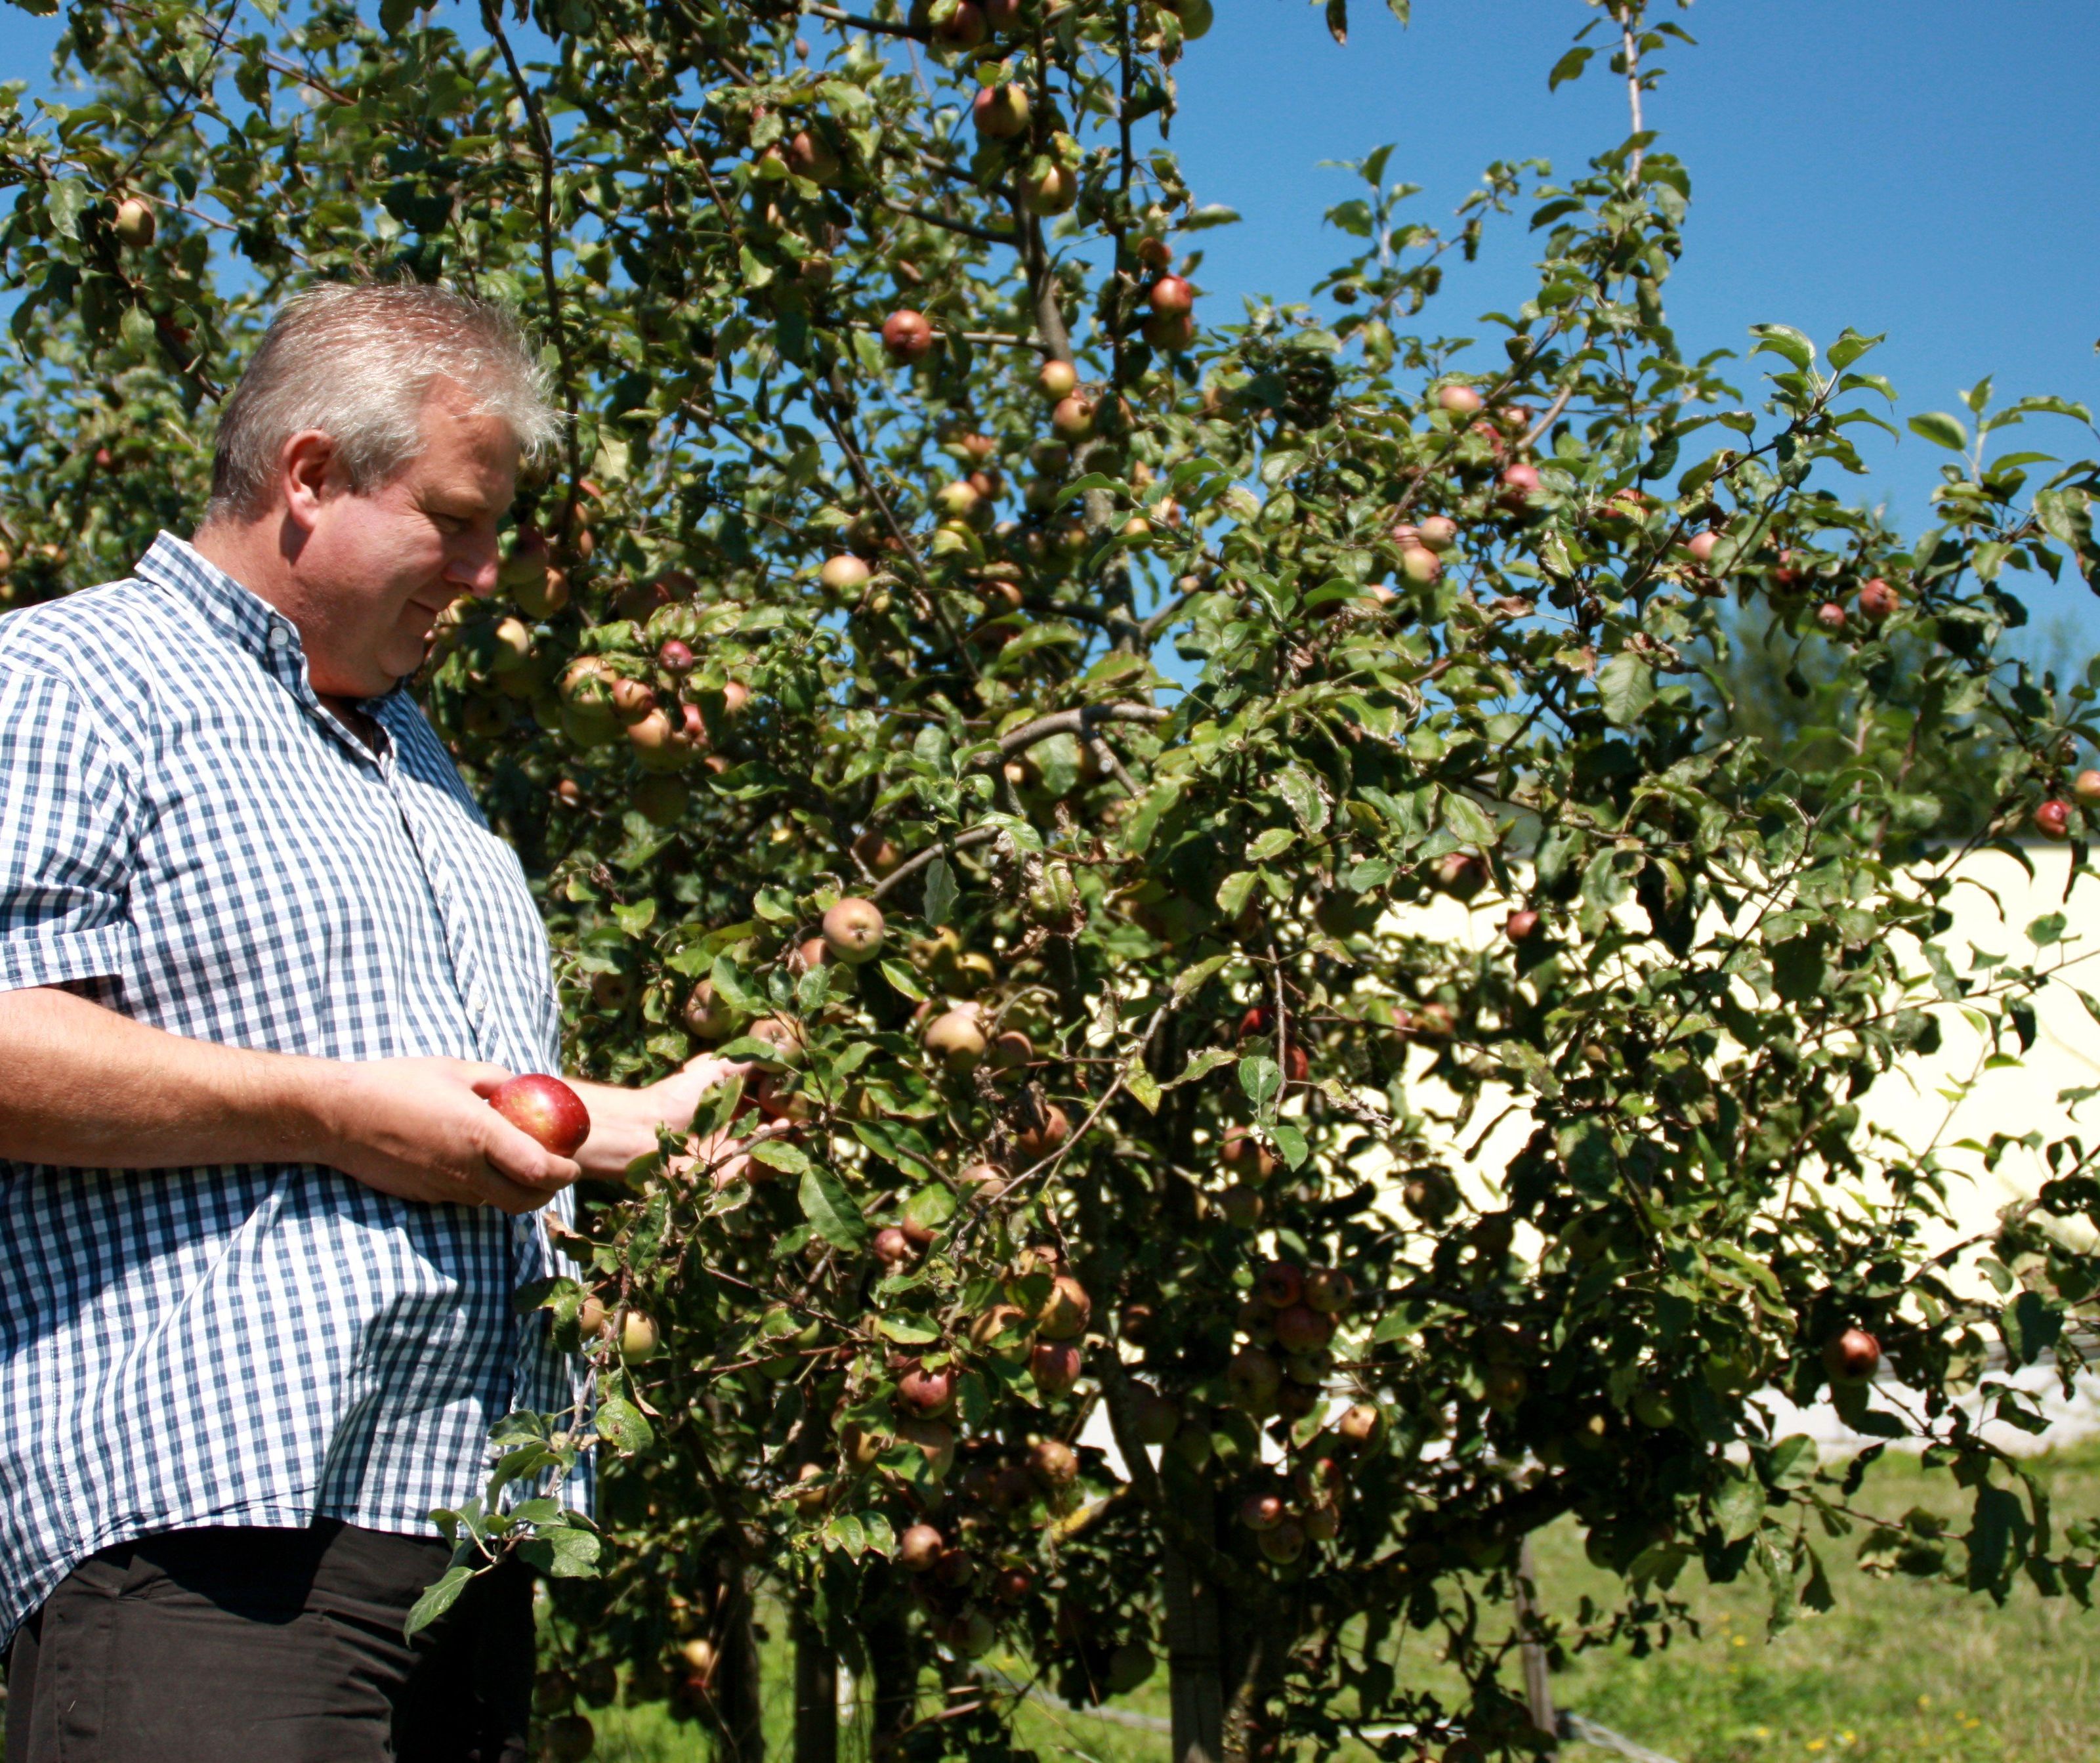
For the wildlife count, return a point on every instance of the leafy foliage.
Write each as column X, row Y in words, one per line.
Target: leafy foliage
column 1168, row 720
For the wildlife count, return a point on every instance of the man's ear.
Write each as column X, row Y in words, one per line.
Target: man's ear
column 308, row 473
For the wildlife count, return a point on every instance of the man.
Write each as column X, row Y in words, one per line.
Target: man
column 261, row 963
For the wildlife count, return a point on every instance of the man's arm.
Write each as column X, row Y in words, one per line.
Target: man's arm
column 624, row 1122
column 89, row 1089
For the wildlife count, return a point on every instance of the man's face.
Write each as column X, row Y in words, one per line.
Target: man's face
column 376, row 568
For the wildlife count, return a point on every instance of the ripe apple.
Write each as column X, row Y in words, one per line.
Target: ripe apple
column 2086, row 788
column 1438, row 534
column 1285, row 1543
column 1420, row 564
column 638, row 1337
column 1520, row 484
column 1171, row 333
column 1063, row 1313
column 1055, row 1366
column 1004, row 1332
column 1262, row 1512
column 908, row 336
column 963, row 28
column 1852, row 1357
column 1877, row 600
column 1459, row 873
column 1001, row 112
column 982, row 1181
column 1196, row 16
column 891, row 1246
column 1330, row 1291
column 935, row 1443
column 543, row 1108
column 1359, row 1424
column 1702, row 546
column 592, row 1315
column 709, row 1017
column 1073, row 419
column 676, row 657
column 1011, row 1051
column 1051, row 191
column 852, row 931
column 1279, row 1285
column 1171, row 297
column 632, row 701
column 845, row 573
column 956, row 1038
column 1322, row 1521
column 1521, row 926
column 1299, row 1329
column 1057, row 381
column 783, row 1037
column 1039, row 1139
column 1155, row 1419
column 542, row 596
column 134, row 224
column 919, row 1548
column 925, row 1393
column 1830, row 616
column 1254, row 1376
column 810, row 156
column 1247, row 1157
column 2053, row 818
column 1460, row 401
column 1053, row 1463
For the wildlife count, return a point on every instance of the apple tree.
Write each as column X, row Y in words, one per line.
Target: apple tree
column 1262, row 931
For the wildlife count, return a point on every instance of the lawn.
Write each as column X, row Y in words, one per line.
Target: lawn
column 1897, row 1671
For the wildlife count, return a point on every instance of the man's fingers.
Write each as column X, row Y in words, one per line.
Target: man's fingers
column 484, row 1079
column 494, row 1189
column 519, row 1157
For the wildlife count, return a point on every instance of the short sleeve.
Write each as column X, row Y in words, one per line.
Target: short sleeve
column 68, row 815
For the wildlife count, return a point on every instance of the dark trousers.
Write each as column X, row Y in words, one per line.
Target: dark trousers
column 270, row 1646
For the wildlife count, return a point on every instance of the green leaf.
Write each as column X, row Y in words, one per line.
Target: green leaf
column 1626, row 685
column 908, row 1329
column 1568, row 67
column 1201, row 1066
column 1261, row 1077
column 65, row 202
column 1941, row 430
column 829, row 1209
column 1303, row 797
column 1739, row 1507
column 1234, row 890
column 1784, row 340
column 621, row 1426
column 436, row 1600
column 1141, row 1085
column 564, row 1552
column 777, row 1154
column 1849, row 347
column 1463, row 819
column 903, row 980
column 940, row 891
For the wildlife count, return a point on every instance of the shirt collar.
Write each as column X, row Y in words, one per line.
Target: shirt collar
column 246, row 619
column 243, row 618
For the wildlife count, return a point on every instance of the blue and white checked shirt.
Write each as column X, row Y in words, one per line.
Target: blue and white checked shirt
column 186, row 835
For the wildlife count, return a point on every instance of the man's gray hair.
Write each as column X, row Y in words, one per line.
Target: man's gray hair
column 357, row 362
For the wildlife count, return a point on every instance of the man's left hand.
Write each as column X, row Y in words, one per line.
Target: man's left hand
column 624, row 1122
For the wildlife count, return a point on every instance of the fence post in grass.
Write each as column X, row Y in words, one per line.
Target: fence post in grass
column 1195, row 1664
column 1538, row 1691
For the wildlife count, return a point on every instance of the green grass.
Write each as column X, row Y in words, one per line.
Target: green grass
column 1899, row 1670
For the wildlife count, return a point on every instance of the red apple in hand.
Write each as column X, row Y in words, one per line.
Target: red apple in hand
column 545, row 1108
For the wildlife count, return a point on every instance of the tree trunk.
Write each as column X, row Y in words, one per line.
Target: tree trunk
column 1194, row 1659
column 894, row 1671
column 816, row 1693
column 1538, row 1690
column 742, row 1733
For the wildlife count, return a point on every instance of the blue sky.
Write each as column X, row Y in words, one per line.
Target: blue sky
column 1920, row 167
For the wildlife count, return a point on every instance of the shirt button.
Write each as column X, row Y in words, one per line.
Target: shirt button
column 280, row 637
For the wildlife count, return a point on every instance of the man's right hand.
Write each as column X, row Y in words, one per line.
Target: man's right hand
column 422, row 1129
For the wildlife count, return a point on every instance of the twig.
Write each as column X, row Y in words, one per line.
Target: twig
column 977, row 835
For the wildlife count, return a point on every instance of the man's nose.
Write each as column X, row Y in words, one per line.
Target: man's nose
column 473, row 568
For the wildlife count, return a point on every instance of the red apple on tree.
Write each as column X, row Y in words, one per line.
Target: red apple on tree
column 852, row 931
column 543, row 1108
column 2053, row 818
column 1001, row 112
column 1852, row 1357
column 908, row 336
